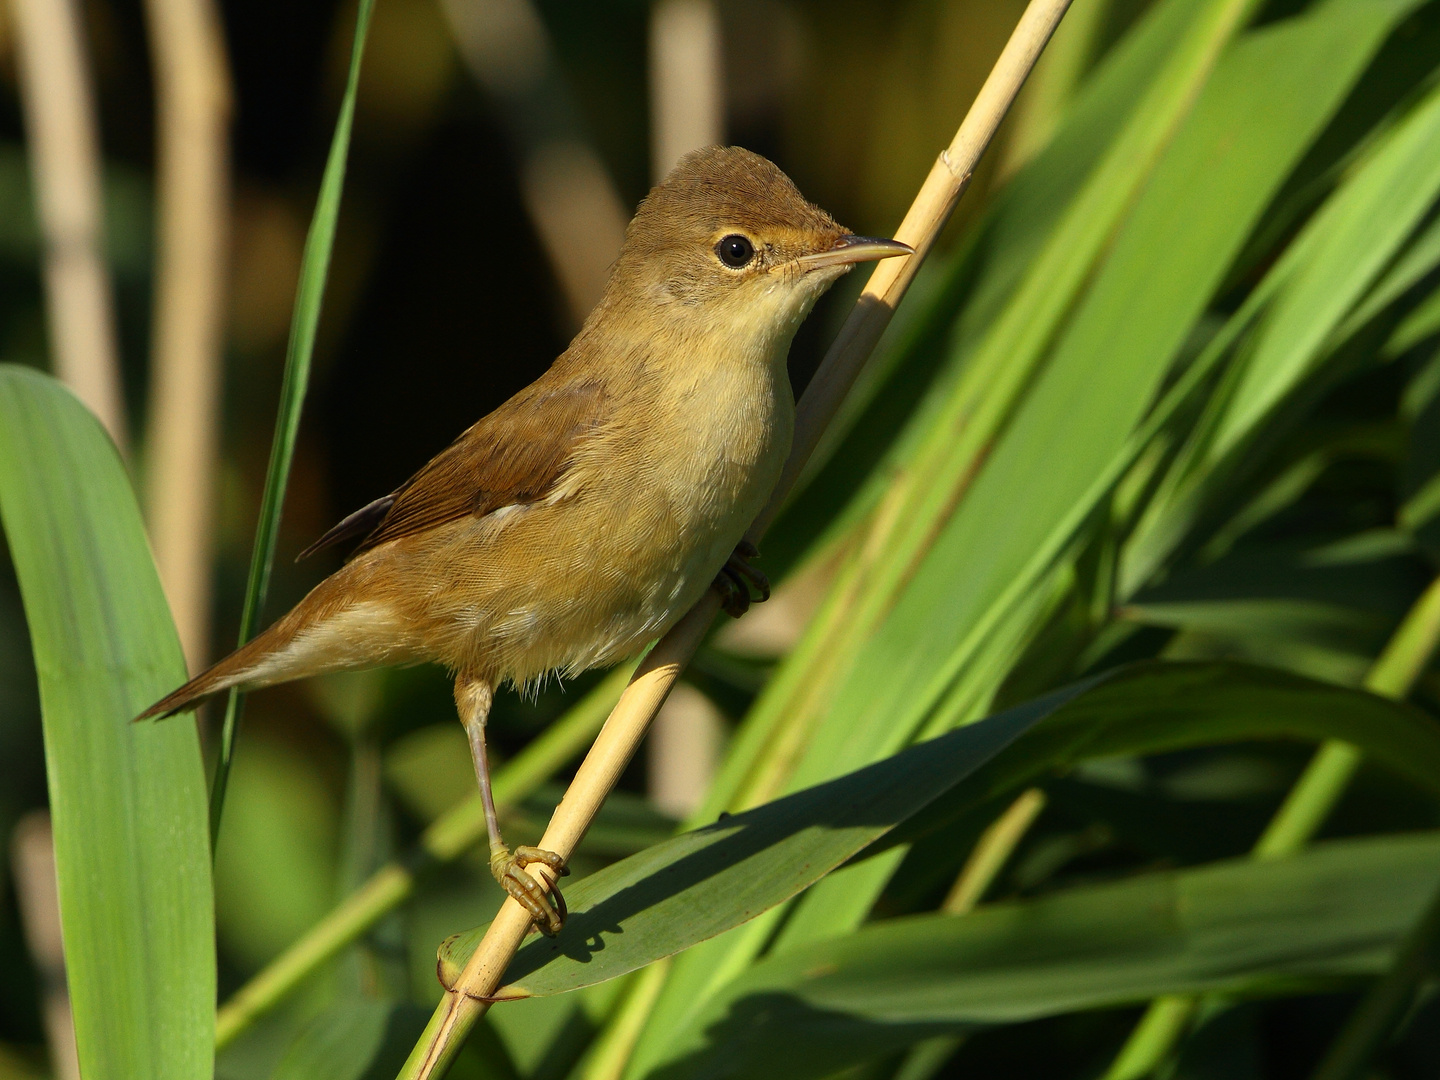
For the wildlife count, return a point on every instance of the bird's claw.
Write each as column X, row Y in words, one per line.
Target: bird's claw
column 736, row 579
column 545, row 905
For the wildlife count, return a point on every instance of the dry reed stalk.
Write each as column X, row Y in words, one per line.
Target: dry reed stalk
column 193, row 100
column 618, row 740
column 32, row 853
column 687, row 111
column 565, row 186
column 687, row 81
column 64, row 151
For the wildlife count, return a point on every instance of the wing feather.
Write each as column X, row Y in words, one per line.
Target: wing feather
column 516, row 454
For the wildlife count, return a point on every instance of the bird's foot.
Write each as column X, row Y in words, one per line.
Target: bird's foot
column 736, row 580
column 546, row 906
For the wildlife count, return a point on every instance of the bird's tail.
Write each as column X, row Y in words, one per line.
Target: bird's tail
column 240, row 668
column 327, row 631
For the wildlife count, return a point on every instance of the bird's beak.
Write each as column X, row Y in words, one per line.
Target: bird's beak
column 854, row 249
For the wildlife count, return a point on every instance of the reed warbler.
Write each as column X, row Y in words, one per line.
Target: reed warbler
column 582, row 518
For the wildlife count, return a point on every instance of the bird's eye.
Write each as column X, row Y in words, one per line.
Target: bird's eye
column 735, row 251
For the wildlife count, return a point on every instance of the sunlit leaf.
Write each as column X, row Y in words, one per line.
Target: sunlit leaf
column 1240, row 926
column 127, row 800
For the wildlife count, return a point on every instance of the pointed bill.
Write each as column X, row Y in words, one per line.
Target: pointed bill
column 854, row 249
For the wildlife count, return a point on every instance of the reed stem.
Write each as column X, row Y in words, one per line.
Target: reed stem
column 63, row 139
column 193, row 105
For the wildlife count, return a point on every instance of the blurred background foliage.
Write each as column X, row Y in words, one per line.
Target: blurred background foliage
column 441, row 303
column 1303, row 552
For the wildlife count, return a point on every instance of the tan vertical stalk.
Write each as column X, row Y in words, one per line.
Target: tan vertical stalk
column 623, row 731
column 192, row 85
column 564, row 184
column 32, row 856
column 64, row 150
column 687, row 82
column 687, row 111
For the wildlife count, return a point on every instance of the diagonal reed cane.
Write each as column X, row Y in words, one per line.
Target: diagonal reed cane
column 618, row 740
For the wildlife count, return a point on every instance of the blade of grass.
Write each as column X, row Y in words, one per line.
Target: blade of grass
column 314, row 268
column 668, row 897
column 929, row 344
column 127, row 800
column 703, row 882
column 1237, row 926
column 1331, row 265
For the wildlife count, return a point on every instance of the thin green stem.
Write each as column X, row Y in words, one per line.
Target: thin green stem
column 1398, row 668
column 1388, row 1000
column 420, row 1063
column 611, row 1051
column 1310, row 801
column 314, row 268
column 1164, row 1024
column 447, row 838
column 1299, row 818
column 989, row 856
column 992, row 851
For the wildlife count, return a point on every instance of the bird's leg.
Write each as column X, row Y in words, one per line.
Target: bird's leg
column 737, row 577
column 547, row 907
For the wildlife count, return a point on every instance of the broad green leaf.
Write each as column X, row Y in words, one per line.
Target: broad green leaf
column 975, row 283
column 1417, row 261
column 1241, row 926
column 1158, row 707
column 127, row 800
column 1268, row 98
column 701, row 883
column 1340, row 602
column 704, row 882
column 1422, row 323
column 1325, row 285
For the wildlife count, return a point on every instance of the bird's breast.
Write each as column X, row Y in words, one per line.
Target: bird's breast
column 727, row 433
column 677, row 484
column 649, row 510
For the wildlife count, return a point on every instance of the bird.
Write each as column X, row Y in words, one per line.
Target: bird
column 582, row 518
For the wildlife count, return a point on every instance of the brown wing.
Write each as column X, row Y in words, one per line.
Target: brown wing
column 516, row 454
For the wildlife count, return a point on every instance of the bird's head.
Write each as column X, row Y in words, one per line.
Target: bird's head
column 726, row 242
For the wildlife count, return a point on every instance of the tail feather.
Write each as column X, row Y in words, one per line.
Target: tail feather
column 218, row 678
column 327, row 631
